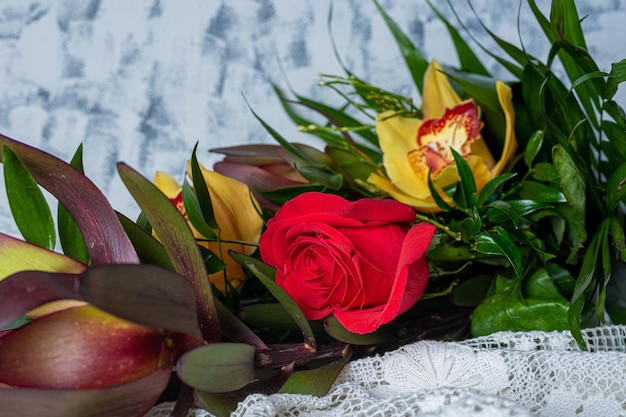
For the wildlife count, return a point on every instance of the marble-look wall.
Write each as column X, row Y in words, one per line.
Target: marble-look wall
column 142, row 81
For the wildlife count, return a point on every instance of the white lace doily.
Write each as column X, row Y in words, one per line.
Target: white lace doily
column 504, row 374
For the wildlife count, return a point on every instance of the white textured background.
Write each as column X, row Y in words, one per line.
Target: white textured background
column 142, row 81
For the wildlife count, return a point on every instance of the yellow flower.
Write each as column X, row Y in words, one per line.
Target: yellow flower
column 235, row 214
column 412, row 146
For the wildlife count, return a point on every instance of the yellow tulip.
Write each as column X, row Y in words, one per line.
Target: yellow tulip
column 411, row 147
column 235, row 212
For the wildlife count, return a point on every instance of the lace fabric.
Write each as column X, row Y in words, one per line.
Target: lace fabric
column 504, row 374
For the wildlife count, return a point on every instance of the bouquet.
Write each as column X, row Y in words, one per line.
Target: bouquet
column 492, row 205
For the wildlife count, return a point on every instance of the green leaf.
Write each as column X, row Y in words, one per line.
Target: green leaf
column 506, row 310
column 328, row 179
column 616, row 294
column 616, row 187
column 195, row 214
column 217, row 367
column 28, row 205
column 105, row 238
column 202, row 192
column 223, row 404
column 266, row 274
column 545, row 171
column 589, row 274
column 492, row 186
column 70, row 237
column 616, row 77
column 177, row 239
column 414, row 60
column 466, row 198
column 472, row 291
column 499, row 242
column 533, row 147
column 571, row 180
column 338, row 332
column 441, row 203
column 541, row 193
column 317, row 381
column 619, row 239
column 144, row 294
column 150, row 250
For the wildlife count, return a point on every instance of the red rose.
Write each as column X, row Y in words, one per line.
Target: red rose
column 360, row 261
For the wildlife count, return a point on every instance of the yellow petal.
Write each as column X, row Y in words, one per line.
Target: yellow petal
column 167, row 184
column 426, row 205
column 397, row 137
column 236, row 214
column 510, row 143
column 438, row 92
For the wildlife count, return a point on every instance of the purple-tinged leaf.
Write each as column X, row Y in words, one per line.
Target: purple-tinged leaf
column 177, row 239
column 23, row 291
column 144, row 294
column 18, row 255
column 257, row 154
column 234, row 329
column 133, row 399
column 223, row 404
column 150, row 250
column 337, row 331
column 217, row 367
column 105, row 238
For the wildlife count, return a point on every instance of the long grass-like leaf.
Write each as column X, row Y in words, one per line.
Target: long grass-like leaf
column 413, row 58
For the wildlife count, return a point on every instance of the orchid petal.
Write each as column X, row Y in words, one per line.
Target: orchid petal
column 438, row 92
column 505, row 95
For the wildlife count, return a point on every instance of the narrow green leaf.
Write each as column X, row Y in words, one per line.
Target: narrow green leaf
column 467, row 185
column 177, row 239
column 70, row 237
column 533, row 147
column 619, row 238
column 492, row 187
column 150, row 250
column 217, row 367
column 144, row 294
column 414, row 60
column 28, row 205
column 542, row 193
column 445, row 207
column 266, row 275
column 105, row 238
column 317, row 381
column 202, row 192
column 499, row 242
column 195, row 214
column 328, row 179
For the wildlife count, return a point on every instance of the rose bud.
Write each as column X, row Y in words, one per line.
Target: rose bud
column 362, row 261
column 80, row 348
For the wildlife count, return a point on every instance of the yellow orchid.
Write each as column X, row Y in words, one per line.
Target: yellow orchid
column 411, row 147
column 235, row 213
